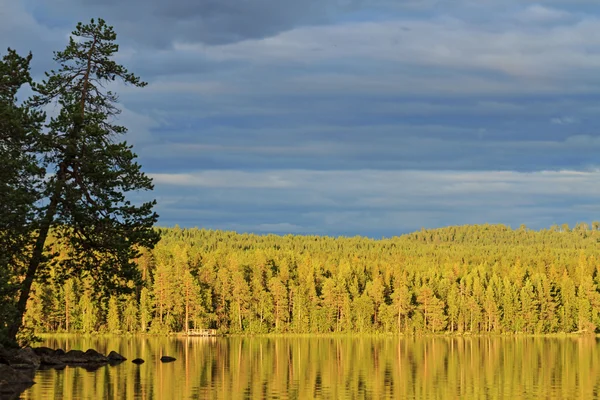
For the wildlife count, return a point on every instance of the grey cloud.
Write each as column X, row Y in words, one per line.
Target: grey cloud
column 160, row 23
column 392, row 147
column 511, row 50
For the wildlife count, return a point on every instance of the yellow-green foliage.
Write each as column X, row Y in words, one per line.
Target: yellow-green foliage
column 481, row 278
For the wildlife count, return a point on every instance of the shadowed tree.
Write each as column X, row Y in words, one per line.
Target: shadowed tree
column 90, row 170
column 113, row 320
column 20, row 176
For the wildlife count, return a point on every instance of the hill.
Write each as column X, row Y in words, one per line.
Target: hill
column 477, row 278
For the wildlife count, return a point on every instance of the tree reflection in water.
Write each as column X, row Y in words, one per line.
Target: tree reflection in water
column 330, row 367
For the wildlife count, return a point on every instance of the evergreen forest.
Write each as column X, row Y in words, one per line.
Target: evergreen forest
column 465, row 280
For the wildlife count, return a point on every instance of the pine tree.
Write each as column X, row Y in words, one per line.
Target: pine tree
column 88, row 313
column 146, row 308
column 130, row 315
column 113, row 320
column 86, row 205
column 280, row 302
column 19, row 179
column 364, row 309
column 403, row 302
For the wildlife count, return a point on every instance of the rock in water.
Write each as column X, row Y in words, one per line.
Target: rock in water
column 113, row 356
column 24, row 358
column 79, row 357
column 44, row 351
column 74, row 357
column 94, row 357
column 138, row 361
column 167, row 359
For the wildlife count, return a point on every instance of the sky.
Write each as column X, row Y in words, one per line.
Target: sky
column 350, row 117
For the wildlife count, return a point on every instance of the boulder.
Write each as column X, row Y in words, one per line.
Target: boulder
column 166, row 359
column 113, row 356
column 94, row 357
column 138, row 361
column 44, row 351
column 24, row 358
column 74, row 357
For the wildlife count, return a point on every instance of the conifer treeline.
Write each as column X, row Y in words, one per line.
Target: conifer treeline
column 477, row 279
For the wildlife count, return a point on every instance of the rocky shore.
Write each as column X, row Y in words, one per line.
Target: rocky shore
column 18, row 366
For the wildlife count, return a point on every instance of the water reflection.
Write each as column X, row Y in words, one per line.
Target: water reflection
column 330, row 368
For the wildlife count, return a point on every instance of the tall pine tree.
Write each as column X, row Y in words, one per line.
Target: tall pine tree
column 19, row 179
column 86, row 207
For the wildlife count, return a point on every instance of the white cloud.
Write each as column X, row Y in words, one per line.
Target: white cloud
column 395, row 185
column 223, row 179
column 563, row 120
column 356, row 202
column 539, row 13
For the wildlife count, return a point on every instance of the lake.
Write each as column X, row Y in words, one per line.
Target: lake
column 330, row 368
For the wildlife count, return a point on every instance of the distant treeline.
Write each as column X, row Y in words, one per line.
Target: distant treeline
column 476, row 279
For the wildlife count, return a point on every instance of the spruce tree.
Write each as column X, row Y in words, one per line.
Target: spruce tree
column 92, row 171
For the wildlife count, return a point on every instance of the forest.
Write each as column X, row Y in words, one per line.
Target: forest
column 463, row 279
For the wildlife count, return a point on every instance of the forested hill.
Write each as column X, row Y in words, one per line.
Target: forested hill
column 479, row 278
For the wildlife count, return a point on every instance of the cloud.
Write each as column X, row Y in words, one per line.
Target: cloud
column 366, row 183
column 350, row 202
column 351, row 116
column 157, row 24
column 227, row 179
column 513, row 51
column 563, row 120
column 394, row 146
column 584, row 141
column 539, row 13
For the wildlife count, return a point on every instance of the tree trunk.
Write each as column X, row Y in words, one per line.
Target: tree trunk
column 36, row 257
column 187, row 309
column 67, row 311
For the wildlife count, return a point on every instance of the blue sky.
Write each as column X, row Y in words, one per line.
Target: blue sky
column 351, row 117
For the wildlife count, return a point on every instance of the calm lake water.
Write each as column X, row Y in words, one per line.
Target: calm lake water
column 330, row 368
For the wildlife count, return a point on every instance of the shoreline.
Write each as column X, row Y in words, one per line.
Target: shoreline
column 327, row 335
